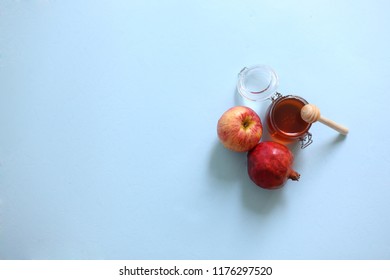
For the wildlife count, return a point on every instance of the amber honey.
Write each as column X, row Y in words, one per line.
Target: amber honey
column 284, row 119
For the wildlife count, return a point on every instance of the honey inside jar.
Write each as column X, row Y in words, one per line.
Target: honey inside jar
column 284, row 118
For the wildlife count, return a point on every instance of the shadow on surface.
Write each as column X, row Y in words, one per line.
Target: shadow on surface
column 260, row 200
column 327, row 148
column 339, row 138
column 227, row 166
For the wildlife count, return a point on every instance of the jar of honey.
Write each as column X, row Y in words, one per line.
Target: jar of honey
column 283, row 117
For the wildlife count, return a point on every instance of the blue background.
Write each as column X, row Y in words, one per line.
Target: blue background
column 108, row 146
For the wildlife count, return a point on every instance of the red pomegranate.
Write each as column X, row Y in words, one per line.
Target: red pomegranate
column 269, row 165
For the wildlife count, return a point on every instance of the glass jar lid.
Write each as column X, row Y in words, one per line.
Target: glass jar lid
column 257, row 83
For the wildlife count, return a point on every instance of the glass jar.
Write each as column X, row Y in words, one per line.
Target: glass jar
column 283, row 116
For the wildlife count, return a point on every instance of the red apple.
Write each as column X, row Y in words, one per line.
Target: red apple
column 239, row 129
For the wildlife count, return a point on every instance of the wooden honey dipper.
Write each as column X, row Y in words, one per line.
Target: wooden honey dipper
column 311, row 113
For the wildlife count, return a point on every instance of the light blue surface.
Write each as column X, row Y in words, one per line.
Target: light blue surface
column 108, row 146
